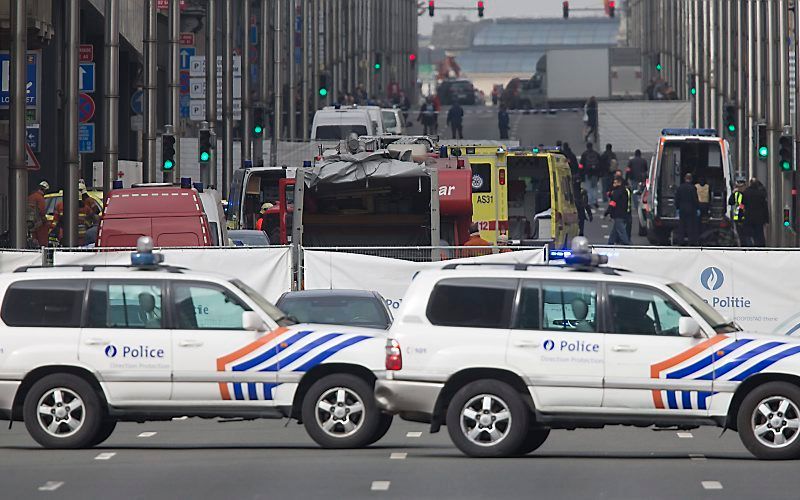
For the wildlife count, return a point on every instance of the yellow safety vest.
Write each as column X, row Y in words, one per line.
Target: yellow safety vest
column 630, row 200
column 738, row 208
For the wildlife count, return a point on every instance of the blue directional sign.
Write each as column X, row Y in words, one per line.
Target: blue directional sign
column 137, row 102
column 184, row 105
column 5, row 79
column 86, row 78
column 32, row 136
column 85, row 138
column 186, row 54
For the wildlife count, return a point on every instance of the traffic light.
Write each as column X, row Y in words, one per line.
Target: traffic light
column 167, row 152
column 692, row 85
column 205, row 146
column 730, row 119
column 659, row 67
column 259, row 122
column 787, row 217
column 412, row 59
column 763, row 148
column 565, row 8
column 378, row 61
column 785, row 157
column 323, row 85
column 430, row 8
column 480, row 8
column 611, row 8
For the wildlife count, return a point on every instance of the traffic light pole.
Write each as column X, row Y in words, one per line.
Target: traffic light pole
column 111, row 95
column 71, row 125
column 174, row 20
column 18, row 80
column 227, row 97
column 306, row 68
column 247, row 105
column 211, row 85
column 150, row 83
column 277, row 87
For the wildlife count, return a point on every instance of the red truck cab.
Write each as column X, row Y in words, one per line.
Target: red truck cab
column 172, row 216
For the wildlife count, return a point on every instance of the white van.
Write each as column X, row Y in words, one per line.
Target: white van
column 334, row 123
column 392, row 121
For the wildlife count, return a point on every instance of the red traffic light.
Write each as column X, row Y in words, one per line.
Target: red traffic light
column 431, row 8
column 565, row 7
column 480, row 8
column 412, row 57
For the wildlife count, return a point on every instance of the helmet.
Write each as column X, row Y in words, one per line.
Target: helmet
column 44, row 185
column 266, row 206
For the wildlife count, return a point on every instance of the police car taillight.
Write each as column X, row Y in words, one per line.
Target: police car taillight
column 394, row 356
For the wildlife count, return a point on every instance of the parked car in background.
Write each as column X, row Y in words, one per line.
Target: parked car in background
column 456, row 90
column 248, row 238
column 337, row 307
column 393, row 121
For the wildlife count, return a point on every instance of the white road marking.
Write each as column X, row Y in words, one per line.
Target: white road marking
column 180, row 418
column 51, row 486
column 604, row 226
column 685, row 435
column 380, row 485
column 413, row 434
column 147, row 434
column 398, row 456
column 697, row 457
column 105, row 456
column 712, row 485
column 606, row 236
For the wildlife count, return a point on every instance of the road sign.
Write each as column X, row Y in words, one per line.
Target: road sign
column 184, row 105
column 197, row 88
column 32, row 137
column 187, row 38
column 86, row 53
column 186, row 54
column 137, row 123
column 164, row 5
column 197, row 65
column 31, row 77
column 31, row 162
column 137, row 102
column 85, row 107
column 184, row 82
column 86, row 138
column 197, row 110
column 86, row 76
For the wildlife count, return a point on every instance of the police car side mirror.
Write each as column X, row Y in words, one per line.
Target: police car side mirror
column 252, row 321
column 688, row 327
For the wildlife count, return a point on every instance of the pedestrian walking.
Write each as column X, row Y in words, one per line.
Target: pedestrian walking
column 427, row 117
column 756, row 212
column 572, row 160
column 617, row 210
column 455, row 120
column 589, row 165
column 688, row 212
column 590, row 119
column 736, row 201
column 582, row 204
column 503, row 121
column 36, row 215
column 608, row 164
column 636, row 171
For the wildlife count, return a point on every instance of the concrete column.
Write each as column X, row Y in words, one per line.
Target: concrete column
column 72, row 160
column 227, row 96
column 211, row 83
column 174, row 118
column 111, row 95
column 18, row 173
column 247, row 104
column 150, row 88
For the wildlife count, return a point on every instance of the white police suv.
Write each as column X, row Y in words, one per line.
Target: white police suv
column 82, row 348
column 502, row 354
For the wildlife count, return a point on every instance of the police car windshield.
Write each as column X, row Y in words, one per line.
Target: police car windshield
column 709, row 314
column 273, row 312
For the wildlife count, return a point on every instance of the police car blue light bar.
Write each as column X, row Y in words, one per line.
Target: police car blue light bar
column 700, row 132
column 144, row 255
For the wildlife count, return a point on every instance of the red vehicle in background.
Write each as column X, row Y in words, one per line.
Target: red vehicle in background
column 172, row 216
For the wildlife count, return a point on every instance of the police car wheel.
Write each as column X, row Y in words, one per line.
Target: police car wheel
column 63, row 411
column 487, row 418
column 535, row 438
column 383, row 427
column 769, row 421
column 339, row 412
column 106, row 429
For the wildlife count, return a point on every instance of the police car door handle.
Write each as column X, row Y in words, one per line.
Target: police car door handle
column 97, row 342
column 190, row 343
column 623, row 348
column 526, row 343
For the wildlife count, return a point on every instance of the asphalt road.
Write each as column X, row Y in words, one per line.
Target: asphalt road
column 263, row 459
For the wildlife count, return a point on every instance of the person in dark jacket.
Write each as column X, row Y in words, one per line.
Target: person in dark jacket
column 582, row 204
column 589, row 166
column 590, row 112
column 636, row 171
column 455, row 119
column 503, row 121
column 573, row 162
column 688, row 212
column 756, row 212
column 608, row 164
column 618, row 210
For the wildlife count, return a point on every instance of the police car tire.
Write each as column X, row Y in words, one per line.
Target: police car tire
column 533, row 440
column 383, row 427
column 744, row 425
column 520, row 418
column 93, row 412
column 106, row 429
column 369, row 427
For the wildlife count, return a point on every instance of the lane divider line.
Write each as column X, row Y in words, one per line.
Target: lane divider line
column 105, row 456
column 712, row 485
column 398, row 456
column 685, row 435
column 51, row 486
column 380, row 485
column 147, row 434
column 415, row 434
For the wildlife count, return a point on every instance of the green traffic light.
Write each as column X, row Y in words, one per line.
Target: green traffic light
column 763, row 151
column 205, row 156
column 785, row 166
column 377, row 65
column 323, row 91
column 659, row 67
column 258, row 129
column 168, row 164
column 786, row 223
column 693, row 91
column 731, row 128
column 535, row 150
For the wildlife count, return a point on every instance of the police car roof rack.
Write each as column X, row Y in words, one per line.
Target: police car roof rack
column 518, row 266
column 92, row 267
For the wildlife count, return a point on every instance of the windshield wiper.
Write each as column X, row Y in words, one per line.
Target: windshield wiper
column 729, row 324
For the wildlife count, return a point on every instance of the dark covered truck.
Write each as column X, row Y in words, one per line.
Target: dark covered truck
column 376, row 199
